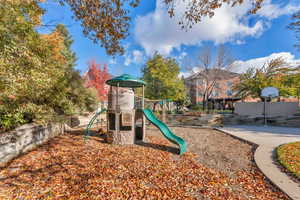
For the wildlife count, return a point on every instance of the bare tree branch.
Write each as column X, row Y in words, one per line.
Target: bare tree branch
column 205, row 57
column 224, row 57
column 211, row 70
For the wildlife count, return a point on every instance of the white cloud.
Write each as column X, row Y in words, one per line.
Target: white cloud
column 242, row 66
column 182, row 55
column 190, row 72
column 180, row 58
column 272, row 11
column 127, row 61
column 184, row 74
column 239, row 42
column 135, row 57
column 156, row 31
column 112, row 61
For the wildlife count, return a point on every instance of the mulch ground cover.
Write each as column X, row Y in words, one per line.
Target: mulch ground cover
column 67, row 167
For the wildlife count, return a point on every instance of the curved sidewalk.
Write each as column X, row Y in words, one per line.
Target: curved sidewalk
column 267, row 139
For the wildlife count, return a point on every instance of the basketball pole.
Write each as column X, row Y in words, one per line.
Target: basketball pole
column 265, row 113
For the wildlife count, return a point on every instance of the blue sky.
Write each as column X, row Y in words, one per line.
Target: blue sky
column 252, row 39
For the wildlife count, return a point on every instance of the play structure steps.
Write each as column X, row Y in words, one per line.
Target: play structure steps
column 165, row 130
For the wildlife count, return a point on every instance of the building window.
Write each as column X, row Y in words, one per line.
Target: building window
column 215, row 93
column 229, row 92
column 229, row 84
column 199, row 81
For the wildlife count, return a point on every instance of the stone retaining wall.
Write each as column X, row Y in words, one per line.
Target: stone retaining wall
column 25, row 138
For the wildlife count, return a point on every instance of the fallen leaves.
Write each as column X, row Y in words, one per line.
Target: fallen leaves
column 69, row 168
column 289, row 156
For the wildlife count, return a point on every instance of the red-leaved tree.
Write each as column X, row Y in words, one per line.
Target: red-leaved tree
column 96, row 77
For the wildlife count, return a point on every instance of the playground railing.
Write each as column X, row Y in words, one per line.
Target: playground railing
column 78, row 119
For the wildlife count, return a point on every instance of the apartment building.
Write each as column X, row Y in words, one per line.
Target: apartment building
column 223, row 86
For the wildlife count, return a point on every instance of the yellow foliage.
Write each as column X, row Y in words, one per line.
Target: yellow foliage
column 56, row 41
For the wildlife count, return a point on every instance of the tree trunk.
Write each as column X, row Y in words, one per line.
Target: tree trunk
column 154, row 106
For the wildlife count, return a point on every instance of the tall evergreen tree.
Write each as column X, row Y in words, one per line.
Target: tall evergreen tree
column 68, row 41
column 73, row 83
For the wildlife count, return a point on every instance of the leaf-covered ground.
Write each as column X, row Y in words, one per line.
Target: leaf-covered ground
column 69, row 168
column 289, row 156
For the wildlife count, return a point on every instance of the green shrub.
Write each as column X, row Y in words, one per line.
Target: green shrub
column 196, row 107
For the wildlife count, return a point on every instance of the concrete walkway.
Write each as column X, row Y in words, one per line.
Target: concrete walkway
column 268, row 138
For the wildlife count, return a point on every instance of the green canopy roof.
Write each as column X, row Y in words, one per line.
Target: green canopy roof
column 126, row 80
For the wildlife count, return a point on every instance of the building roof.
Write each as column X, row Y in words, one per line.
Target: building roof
column 220, row 74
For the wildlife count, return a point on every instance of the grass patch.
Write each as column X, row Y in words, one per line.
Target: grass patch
column 289, row 156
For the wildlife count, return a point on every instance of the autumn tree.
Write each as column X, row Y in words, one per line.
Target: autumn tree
column 274, row 73
column 26, row 64
column 108, row 21
column 70, row 56
column 96, row 78
column 209, row 70
column 33, row 68
column 161, row 76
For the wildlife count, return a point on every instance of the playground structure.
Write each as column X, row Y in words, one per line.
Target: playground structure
column 126, row 118
column 125, row 122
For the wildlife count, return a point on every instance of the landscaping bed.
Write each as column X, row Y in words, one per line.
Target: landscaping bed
column 196, row 119
column 68, row 167
column 288, row 155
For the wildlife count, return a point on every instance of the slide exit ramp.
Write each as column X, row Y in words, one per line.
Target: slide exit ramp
column 165, row 130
